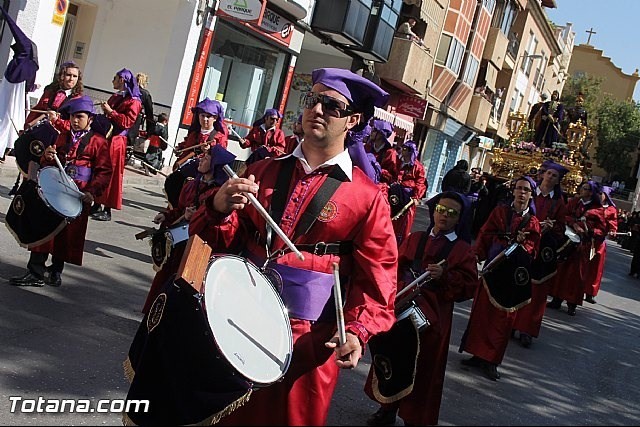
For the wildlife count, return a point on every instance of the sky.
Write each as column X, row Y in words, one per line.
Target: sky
column 615, row 22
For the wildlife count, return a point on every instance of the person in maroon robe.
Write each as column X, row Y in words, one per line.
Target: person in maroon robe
column 194, row 192
column 85, row 153
column 265, row 135
column 551, row 212
column 587, row 218
column 410, row 174
column 355, row 232
column 489, row 327
column 595, row 270
column 448, row 238
column 207, row 126
column 378, row 144
column 292, row 141
column 122, row 109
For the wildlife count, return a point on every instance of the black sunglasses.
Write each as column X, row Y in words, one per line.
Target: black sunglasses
column 330, row 105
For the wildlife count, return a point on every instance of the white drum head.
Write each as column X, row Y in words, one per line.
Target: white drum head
column 59, row 194
column 249, row 322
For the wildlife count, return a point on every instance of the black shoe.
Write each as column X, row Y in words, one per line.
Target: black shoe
column 590, row 299
column 554, row 303
column 571, row 311
column 28, row 279
column 491, row 371
column 55, row 279
column 525, row 340
column 472, row 361
column 382, row 417
column 102, row 216
column 95, row 208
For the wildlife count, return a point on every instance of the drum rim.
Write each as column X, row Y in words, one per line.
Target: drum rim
column 212, row 260
column 46, row 201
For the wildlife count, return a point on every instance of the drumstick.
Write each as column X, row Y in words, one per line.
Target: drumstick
column 36, row 111
column 14, row 126
column 67, row 177
column 266, row 216
column 191, row 148
column 337, row 297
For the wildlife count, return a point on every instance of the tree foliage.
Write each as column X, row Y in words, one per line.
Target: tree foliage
column 618, row 134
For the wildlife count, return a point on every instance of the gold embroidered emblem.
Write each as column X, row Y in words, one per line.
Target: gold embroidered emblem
column 329, row 212
column 155, row 314
column 36, row 147
column 18, row 205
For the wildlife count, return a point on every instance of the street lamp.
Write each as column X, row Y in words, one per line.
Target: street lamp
column 532, row 56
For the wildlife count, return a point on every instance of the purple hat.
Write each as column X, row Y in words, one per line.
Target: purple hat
column 414, row 149
column 362, row 94
column 562, row 171
column 532, row 183
column 299, row 119
column 383, row 127
column 210, row 107
column 75, row 105
column 220, row 157
column 24, row 64
column 606, row 190
column 130, row 83
column 272, row 112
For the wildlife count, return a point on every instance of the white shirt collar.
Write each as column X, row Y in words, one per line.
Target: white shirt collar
column 68, row 92
column 206, row 131
column 524, row 212
column 585, row 203
column 343, row 160
column 539, row 192
column 450, row 235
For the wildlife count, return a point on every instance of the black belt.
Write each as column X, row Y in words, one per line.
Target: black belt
column 322, row 248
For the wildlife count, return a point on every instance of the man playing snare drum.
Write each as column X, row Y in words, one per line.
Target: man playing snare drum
column 352, row 228
column 418, row 398
column 84, row 152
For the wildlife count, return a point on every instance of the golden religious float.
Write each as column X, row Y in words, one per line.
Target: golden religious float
column 520, row 156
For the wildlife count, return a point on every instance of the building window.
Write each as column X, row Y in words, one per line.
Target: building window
column 443, row 49
column 490, row 5
column 470, row 70
column 527, row 62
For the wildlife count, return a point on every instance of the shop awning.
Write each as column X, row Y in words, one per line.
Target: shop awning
column 393, row 119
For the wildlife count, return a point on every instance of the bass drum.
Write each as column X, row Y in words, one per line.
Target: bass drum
column 176, row 179
column 509, row 281
column 399, row 197
column 545, row 266
column 29, row 218
column 31, row 144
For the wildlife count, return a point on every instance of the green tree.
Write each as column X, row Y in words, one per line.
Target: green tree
column 618, row 134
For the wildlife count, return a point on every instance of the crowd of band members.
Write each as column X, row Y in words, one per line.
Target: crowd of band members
column 452, row 216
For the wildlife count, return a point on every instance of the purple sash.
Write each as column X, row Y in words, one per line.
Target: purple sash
column 78, row 173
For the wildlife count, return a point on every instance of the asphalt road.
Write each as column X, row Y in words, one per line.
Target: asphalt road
column 70, row 342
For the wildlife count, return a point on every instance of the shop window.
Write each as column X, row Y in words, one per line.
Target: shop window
column 245, row 74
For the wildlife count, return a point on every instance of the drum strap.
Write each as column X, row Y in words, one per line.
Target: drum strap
column 279, row 199
column 84, row 141
column 521, row 226
column 416, row 264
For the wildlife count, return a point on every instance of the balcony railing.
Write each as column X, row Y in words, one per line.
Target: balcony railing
column 408, row 67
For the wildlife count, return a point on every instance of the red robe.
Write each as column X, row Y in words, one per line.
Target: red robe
column 124, row 115
column 290, row 143
column 459, row 281
column 196, row 138
column 187, row 198
column 51, row 100
column 304, row 395
column 489, row 328
column 529, row 318
column 593, row 278
column 568, row 284
column 413, row 177
column 68, row 245
column 273, row 139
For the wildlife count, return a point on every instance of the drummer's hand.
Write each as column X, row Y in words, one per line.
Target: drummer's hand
column 578, row 229
column 230, row 196
column 49, row 153
column 159, row 219
column 52, row 115
column 347, row 355
column 188, row 212
column 435, row 270
column 87, row 197
column 522, row 236
column 106, row 108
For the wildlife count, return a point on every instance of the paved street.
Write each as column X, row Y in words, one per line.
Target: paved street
column 69, row 342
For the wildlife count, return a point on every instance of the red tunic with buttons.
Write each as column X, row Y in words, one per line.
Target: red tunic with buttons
column 195, row 138
column 414, row 177
column 68, row 245
column 124, row 114
column 595, row 269
column 193, row 189
column 304, row 395
column 290, row 143
column 568, row 284
column 459, row 281
column 489, row 328
column 273, row 139
column 529, row 318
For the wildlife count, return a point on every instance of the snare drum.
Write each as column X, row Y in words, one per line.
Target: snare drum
column 59, row 192
column 417, row 317
column 31, row 144
column 248, row 320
